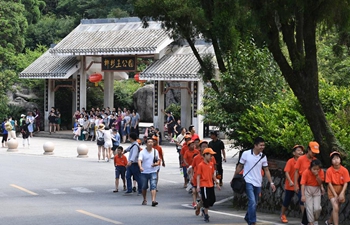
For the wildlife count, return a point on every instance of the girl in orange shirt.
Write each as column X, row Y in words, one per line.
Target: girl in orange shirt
column 337, row 178
column 311, row 190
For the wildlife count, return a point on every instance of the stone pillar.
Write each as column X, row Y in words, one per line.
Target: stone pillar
column 185, row 105
column 200, row 124
column 83, row 88
column 108, row 89
column 159, row 122
column 49, row 100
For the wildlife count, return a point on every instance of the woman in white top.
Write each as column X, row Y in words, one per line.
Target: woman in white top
column 108, row 142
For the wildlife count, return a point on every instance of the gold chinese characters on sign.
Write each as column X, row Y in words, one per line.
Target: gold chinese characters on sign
column 118, row 63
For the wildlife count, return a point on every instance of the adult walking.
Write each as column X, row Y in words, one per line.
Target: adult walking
column 149, row 162
column 132, row 168
column 253, row 161
column 218, row 146
column 30, row 121
column 37, row 117
column 100, row 142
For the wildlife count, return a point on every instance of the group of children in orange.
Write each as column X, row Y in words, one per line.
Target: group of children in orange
column 198, row 166
column 305, row 177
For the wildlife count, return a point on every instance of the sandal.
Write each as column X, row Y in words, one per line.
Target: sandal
column 144, row 202
column 115, row 191
column 154, row 203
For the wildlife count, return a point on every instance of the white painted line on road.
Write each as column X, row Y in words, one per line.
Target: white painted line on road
column 99, row 217
column 234, row 215
column 23, row 189
column 170, row 181
column 82, row 190
column 223, row 200
column 55, row 191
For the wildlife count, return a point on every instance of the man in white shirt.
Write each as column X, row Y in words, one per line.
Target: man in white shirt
column 254, row 161
column 149, row 164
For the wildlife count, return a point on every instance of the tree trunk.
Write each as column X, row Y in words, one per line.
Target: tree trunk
column 301, row 73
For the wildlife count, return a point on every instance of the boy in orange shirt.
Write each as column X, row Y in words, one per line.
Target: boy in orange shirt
column 205, row 181
column 182, row 154
column 160, row 152
column 311, row 191
column 196, row 161
column 120, row 162
column 337, row 177
column 289, row 170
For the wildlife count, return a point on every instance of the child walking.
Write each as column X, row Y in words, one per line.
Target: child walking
column 205, row 181
column 311, row 191
column 289, row 170
column 120, row 163
column 337, row 178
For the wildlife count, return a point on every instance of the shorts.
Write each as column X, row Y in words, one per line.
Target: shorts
column 208, row 196
column 184, row 170
column 337, row 189
column 114, row 147
column 152, row 178
column 288, row 195
column 120, row 172
column 108, row 145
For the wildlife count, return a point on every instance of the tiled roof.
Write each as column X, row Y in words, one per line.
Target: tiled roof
column 181, row 65
column 48, row 66
column 113, row 37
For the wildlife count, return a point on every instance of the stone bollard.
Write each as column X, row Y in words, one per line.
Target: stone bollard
column 48, row 148
column 82, row 150
column 12, row 145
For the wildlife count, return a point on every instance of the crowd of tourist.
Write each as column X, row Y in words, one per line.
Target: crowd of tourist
column 27, row 125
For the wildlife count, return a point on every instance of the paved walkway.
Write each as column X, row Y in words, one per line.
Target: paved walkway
column 68, row 148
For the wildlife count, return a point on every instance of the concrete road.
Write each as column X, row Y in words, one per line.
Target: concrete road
column 63, row 189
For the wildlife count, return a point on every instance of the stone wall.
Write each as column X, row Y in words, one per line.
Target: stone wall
column 270, row 202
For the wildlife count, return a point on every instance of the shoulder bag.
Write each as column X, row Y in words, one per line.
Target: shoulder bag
column 238, row 183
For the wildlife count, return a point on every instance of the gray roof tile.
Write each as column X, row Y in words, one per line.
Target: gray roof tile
column 48, row 66
column 182, row 65
column 124, row 36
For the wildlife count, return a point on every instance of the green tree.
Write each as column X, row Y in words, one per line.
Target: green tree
column 93, row 8
column 293, row 24
column 287, row 27
column 49, row 30
column 13, row 27
column 33, row 10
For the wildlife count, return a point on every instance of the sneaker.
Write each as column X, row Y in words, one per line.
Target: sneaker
column 206, row 218
column 134, row 189
column 327, row 223
column 194, row 205
column 198, row 209
column 144, row 202
column 284, row 219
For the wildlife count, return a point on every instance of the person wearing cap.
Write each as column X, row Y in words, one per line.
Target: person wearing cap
column 302, row 164
column 219, row 147
column 289, row 170
column 196, row 161
column 254, row 161
column 100, row 142
column 188, row 159
column 205, row 181
column 182, row 153
column 337, row 178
